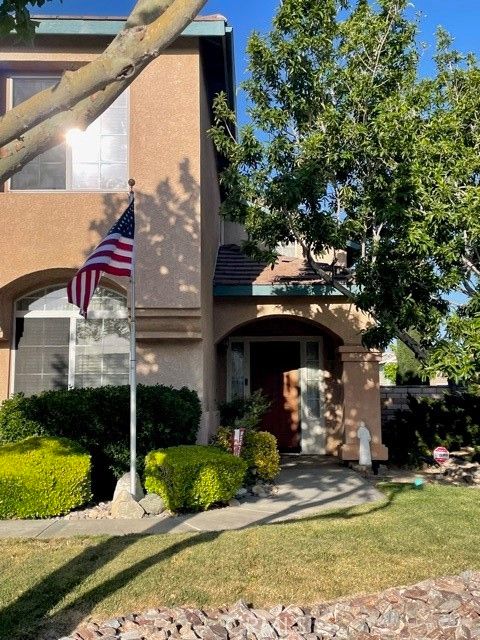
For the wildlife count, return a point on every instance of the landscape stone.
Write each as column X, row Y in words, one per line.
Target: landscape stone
column 125, row 507
column 123, row 484
column 152, row 504
column 442, row 609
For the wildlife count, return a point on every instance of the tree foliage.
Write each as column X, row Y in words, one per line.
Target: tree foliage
column 346, row 142
column 15, row 17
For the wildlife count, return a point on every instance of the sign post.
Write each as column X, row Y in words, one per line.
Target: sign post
column 441, row 455
column 238, row 441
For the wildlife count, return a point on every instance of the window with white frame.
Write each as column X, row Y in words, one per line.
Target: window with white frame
column 92, row 160
column 54, row 348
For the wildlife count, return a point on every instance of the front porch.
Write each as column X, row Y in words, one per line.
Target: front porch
column 319, row 387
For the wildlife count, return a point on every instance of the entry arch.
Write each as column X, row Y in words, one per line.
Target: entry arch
column 292, row 360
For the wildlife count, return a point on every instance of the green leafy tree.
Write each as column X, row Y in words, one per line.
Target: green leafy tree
column 15, row 16
column 347, row 143
column 409, row 371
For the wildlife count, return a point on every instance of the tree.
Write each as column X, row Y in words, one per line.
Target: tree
column 81, row 96
column 346, row 142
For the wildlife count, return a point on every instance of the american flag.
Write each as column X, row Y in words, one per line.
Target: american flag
column 114, row 255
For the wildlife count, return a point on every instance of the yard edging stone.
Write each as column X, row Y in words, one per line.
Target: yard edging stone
column 446, row 608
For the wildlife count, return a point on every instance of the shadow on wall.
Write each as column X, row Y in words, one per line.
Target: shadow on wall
column 167, row 239
column 168, row 267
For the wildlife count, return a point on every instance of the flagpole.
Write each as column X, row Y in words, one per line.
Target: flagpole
column 133, row 369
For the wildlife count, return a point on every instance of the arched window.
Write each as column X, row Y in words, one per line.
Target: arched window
column 55, row 348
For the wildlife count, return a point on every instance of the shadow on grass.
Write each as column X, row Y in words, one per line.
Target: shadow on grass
column 24, row 617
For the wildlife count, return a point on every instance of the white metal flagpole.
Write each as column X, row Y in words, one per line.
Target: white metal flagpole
column 133, row 370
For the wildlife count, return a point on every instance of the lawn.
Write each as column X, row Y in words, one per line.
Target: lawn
column 412, row 535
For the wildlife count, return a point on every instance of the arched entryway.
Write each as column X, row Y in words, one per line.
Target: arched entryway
column 292, row 361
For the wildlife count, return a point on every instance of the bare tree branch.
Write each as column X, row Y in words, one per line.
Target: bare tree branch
column 470, row 266
column 152, row 26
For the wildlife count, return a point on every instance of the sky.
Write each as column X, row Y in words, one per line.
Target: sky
column 460, row 17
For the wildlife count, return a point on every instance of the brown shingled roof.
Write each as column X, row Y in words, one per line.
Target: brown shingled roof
column 235, row 268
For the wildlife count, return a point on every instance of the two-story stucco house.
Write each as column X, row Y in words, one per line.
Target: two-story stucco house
column 207, row 317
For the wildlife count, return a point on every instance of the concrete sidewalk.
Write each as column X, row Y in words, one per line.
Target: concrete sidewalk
column 306, row 485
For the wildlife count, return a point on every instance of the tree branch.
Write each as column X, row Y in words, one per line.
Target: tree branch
column 470, row 266
column 152, row 26
column 410, row 342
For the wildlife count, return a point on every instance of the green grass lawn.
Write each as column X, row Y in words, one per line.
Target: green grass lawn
column 414, row 534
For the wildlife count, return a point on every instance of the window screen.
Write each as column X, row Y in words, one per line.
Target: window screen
column 41, row 358
column 55, row 349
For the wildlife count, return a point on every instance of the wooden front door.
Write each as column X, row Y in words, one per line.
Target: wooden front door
column 275, row 369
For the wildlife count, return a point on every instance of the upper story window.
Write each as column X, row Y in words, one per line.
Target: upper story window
column 92, row 160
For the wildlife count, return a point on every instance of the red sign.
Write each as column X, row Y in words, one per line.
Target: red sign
column 441, row 455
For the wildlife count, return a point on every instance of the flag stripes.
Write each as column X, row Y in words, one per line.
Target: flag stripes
column 114, row 255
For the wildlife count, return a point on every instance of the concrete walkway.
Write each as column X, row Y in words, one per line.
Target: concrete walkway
column 306, row 486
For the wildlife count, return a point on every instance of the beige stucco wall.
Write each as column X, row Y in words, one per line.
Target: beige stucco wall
column 332, row 313
column 51, row 233
column 210, row 241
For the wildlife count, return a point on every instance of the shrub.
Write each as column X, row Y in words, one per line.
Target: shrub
column 98, row 419
column 452, row 421
column 244, row 412
column 259, row 452
column 193, row 477
column 42, row 477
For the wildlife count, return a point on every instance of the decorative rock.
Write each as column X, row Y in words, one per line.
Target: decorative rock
column 259, row 491
column 241, row 493
column 234, row 503
column 152, row 504
column 131, row 635
column 123, row 484
column 125, row 507
column 441, row 609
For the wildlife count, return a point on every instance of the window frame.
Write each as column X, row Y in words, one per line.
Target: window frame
column 69, row 159
column 72, row 315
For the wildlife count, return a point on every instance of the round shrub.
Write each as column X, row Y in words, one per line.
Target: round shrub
column 193, row 477
column 259, row 451
column 261, row 454
column 42, row 477
column 98, row 419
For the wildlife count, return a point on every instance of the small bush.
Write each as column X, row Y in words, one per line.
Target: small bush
column 452, row 421
column 244, row 412
column 193, row 477
column 98, row 419
column 42, row 477
column 259, row 452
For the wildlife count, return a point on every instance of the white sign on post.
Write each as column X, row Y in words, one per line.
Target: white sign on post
column 238, row 441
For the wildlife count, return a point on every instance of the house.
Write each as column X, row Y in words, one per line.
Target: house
column 207, row 316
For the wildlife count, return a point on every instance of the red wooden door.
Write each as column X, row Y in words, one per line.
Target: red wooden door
column 274, row 367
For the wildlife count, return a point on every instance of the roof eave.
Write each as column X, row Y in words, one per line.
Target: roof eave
column 110, row 26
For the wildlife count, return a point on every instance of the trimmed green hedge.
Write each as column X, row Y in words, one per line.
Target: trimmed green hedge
column 43, row 477
column 259, row 451
column 193, row 477
column 98, row 419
